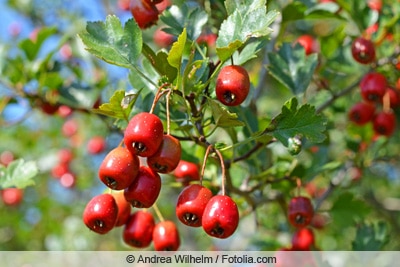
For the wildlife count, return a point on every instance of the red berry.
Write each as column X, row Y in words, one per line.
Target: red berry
column 309, row 43
column 6, row 157
column 191, row 204
column 100, row 213
column 300, row 211
column 12, row 196
column 233, row 85
column 167, row 156
column 166, row 236
column 186, row 171
column 208, row 39
column 385, row 123
column 60, row 169
column 144, row 134
column 362, row 113
column 163, row 5
column 375, row 5
column 153, row 2
column 144, row 190
column 119, row 168
column 363, row 50
column 138, row 231
column 394, row 97
column 124, row 208
column 65, row 155
column 96, row 145
column 70, row 127
column 49, row 108
column 163, row 39
column 145, row 14
column 373, row 87
column 124, row 4
column 68, row 180
column 303, row 239
column 220, row 217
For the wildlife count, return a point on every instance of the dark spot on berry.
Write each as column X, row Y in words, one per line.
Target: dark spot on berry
column 190, row 218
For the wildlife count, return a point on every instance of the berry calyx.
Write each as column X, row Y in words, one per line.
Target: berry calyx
column 363, row 50
column 100, row 213
column 167, row 156
column 220, row 217
column 119, row 168
column 300, row 211
column 384, row 123
column 233, row 85
column 191, row 204
column 144, row 190
column 144, row 134
column 373, row 87
column 166, row 236
column 362, row 113
column 138, row 231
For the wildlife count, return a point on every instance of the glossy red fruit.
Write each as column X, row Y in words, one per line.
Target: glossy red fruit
column 167, row 156
column 144, row 134
column 124, row 208
column 208, row 39
column 394, row 97
column 384, row 123
column 100, row 213
column 220, row 217
column 186, row 171
column 119, row 168
column 166, row 236
column 68, row 180
column 309, row 43
column 163, row 39
column 96, row 145
column 303, row 239
column 232, row 85
column 60, row 169
column 146, row 15
column 373, row 87
column 12, row 196
column 362, row 113
column 138, row 231
column 191, row 204
column 363, row 50
column 144, row 191
column 300, row 211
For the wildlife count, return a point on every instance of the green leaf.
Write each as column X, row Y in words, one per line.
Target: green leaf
column 112, row 43
column 222, row 117
column 346, row 209
column 175, row 55
column 32, row 48
column 189, row 17
column 18, row 174
column 247, row 19
column 302, row 122
column 371, row 237
column 120, row 105
column 160, row 63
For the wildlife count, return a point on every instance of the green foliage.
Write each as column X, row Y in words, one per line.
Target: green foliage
column 298, row 121
column 113, row 43
column 222, row 117
column 292, row 67
column 371, row 237
column 19, row 173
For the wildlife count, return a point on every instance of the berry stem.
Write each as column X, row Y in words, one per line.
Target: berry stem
column 204, row 163
column 168, row 114
column 223, row 178
column 158, row 212
column 386, row 102
column 157, row 97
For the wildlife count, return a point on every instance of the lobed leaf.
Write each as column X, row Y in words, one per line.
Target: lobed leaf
column 113, row 43
column 222, row 117
column 19, row 173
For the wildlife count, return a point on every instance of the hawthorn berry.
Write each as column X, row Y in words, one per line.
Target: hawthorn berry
column 186, row 171
column 96, row 145
column 144, row 190
column 363, row 50
column 100, row 214
column 166, row 236
column 12, row 196
column 138, row 231
column 124, row 208
column 167, row 156
column 163, row 39
column 220, row 217
column 119, row 168
column 145, row 14
column 384, row 123
column 300, row 211
column 303, row 239
column 191, row 204
column 309, row 43
column 373, row 87
column 144, row 134
column 394, row 97
column 362, row 113
column 232, row 85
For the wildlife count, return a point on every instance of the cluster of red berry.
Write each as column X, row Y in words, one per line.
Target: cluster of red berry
column 379, row 99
